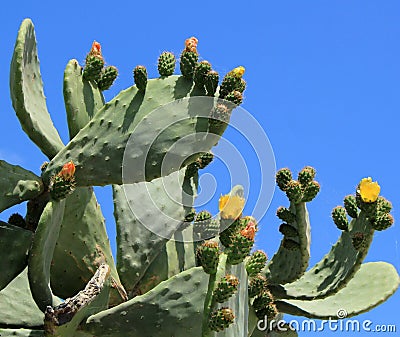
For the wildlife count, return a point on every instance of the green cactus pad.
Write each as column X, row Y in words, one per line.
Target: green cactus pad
column 60, row 187
column 262, row 300
column 239, row 249
column 15, row 243
column 138, row 245
column 17, row 306
column 64, row 319
column 229, row 83
column 374, row 283
column 166, row 64
column 17, row 185
column 17, row 220
column 351, row 206
column 288, row 230
column 140, row 77
column 107, row 78
column 81, row 246
column 41, row 254
column 334, row 270
column 173, row 308
column 27, row 95
column 235, row 97
column 104, row 138
column 384, row 206
column 82, row 99
column 288, row 265
column 285, row 214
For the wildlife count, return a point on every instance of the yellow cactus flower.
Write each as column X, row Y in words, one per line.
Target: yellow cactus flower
column 238, row 72
column 231, row 207
column 369, row 190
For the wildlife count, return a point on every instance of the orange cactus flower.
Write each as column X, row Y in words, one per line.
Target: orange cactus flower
column 96, row 49
column 369, row 190
column 231, row 207
column 191, row 44
column 68, row 171
column 250, row 230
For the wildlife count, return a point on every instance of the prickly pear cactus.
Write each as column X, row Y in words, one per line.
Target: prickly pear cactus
column 177, row 273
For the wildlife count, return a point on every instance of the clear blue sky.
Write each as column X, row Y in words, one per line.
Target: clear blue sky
column 323, row 82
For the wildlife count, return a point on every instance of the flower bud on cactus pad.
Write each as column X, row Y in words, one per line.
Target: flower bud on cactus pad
column 203, row 216
column 283, row 178
column 220, row 319
column 211, row 82
column 166, row 64
column 140, row 77
column 384, row 206
column 226, row 288
column 232, row 81
column 208, row 255
column 310, row 191
column 63, row 183
column 256, row 263
column 288, row 230
column 191, row 44
column 257, row 285
column 294, row 192
column 285, row 214
column 306, row 175
column 200, row 72
column 339, row 217
column 351, row 206
column 17, row 220
column 382, row 222
column 107, row 78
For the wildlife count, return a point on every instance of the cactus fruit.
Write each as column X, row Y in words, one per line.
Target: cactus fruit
column 208, row 254
column 211, row 82
column 200, row 72
column 256, row 263
column 226, row 288
column 283, row 178
column 60, row 249
column 166, row 64
column 107, row 77
column 350, row 205
column 221, row 319
column 339, row 217
column 140, row 77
